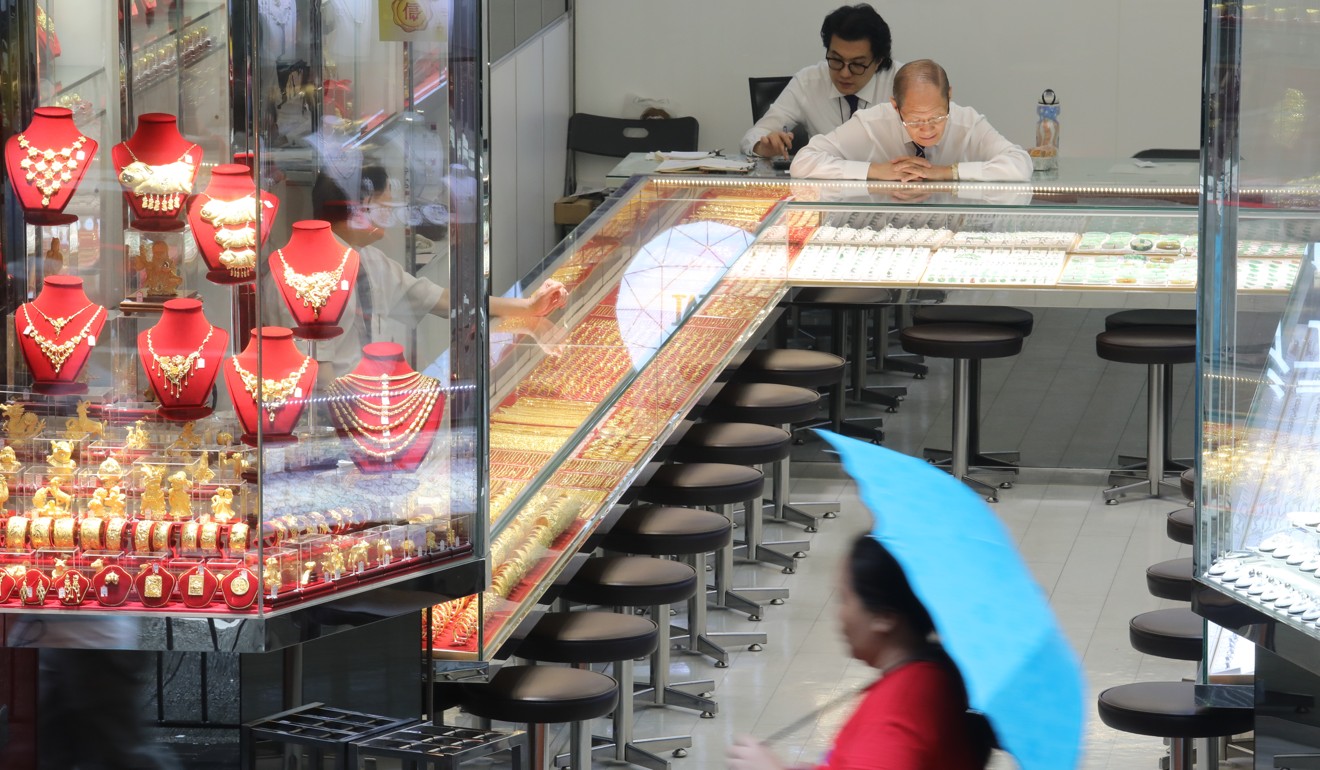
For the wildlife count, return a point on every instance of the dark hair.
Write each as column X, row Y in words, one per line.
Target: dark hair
column 920, row 71
column 331, row 202
column 860, row 22
column 880, row 584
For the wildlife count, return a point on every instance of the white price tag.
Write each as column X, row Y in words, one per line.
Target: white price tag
column 343, row 285
column 91, row 341
column 201, row 363
column 297, row 393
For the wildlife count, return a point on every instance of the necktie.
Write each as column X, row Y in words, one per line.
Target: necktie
column 852, row 101
column 921, row 151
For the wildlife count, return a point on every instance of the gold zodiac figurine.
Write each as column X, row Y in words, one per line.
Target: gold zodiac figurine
column 110, row 473
column 53, row 501
column 188, row 438
column 202, row 472
column 82, row 426
column 107, row 502
column 270, row 575
column 180, row 496
column 4, row 492
column 153, row 494
column 222, row 505
column 9, row 463
column 21, row 424
column 137, row 437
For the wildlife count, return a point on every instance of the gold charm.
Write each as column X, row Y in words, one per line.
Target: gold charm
column 196, row 584
column 240, row 585
column 152, row 586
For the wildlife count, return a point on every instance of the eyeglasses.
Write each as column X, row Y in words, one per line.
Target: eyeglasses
column 925, row 123
column 855, row 67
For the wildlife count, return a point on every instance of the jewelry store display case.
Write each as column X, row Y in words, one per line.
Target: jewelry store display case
column 230, row 385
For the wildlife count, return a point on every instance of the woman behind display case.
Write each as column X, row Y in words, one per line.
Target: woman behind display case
column 914, row 716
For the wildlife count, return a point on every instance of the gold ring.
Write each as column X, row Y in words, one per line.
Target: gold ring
column 16, row 530
column 40, row 533
column 142, row 536
column 114, row 534
column 89, row 534
column 160, row 536
column 64, row 529
column 190, row 536
column 210, row 533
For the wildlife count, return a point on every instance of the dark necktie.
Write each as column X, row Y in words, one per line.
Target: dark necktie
column 852, row 101
column 921, row 151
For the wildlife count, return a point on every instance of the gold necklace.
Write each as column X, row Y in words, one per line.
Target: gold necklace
column 240, row 211
column 60, row 322
column 162, row 188
column 385, row 410
column 378, row 442
column 58, row 352
column 235, row 232
column 274, row 394
column 314, row 289
column 48, row 170
column 176, row 369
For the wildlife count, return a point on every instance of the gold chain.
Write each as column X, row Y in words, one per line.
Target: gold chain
column 314, row 289
column 384, row 446
column 60, row 322
column 58, row 352
column 48, row 170
column 273, row 393
column 176, row 368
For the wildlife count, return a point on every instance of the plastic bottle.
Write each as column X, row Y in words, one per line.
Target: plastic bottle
column 1045, row 155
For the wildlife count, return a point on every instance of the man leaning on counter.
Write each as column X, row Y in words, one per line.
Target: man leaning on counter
column 919, row 135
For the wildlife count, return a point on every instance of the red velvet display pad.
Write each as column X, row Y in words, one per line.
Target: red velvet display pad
column 215, row 226
column 53, row 129
column 314, row 249
column 7, row 586
column 157, row 165
column 61, row 298
column 71, row 588
column 382, row 358
column 181, row 336
column 166, row 592
column 197, row 587
column 233, row 598
column 280, row 358
column 34, row 588
column 111, row 586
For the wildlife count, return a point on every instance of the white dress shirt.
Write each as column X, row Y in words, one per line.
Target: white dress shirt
column 877, row 136
column 811, row 100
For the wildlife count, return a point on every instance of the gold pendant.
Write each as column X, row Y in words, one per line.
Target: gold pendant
column 152, row 586
column 240, row 585
column 196, row 584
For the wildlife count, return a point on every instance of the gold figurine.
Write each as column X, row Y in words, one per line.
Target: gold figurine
column 9, row 463
column 202, row 473
column 4, row 492
column 160, row 277
column 21, row 424
column 180, row 496
column 110, row 472
column 153, row 494
column 82, row 426
column 188, row 438
column 53, row 501
column 222, row 505
column 108, row 502
column 270, row 575
column 61, row 458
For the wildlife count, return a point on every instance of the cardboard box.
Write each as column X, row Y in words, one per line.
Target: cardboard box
column 572, row 209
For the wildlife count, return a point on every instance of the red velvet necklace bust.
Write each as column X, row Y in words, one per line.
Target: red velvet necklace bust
column 388, row 411
column 45, row 163
column 156, row 168
column 283, row 378
column 224, row 222
column 57, row 331
column 181, row 355
column 315, row 274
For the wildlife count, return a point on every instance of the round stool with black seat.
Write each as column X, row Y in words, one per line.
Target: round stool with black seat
column 1171, row 579
column 1187, row 484
column 964, row 343
column 543, row 695
column 1171, row 710
column 742, row 443
column 1126, row 319
column 583, row 638
column 1181, row 526
column 654, row 530
column 996, row 315
column 643, row 581
column 1159, row 348
column 1176, row 633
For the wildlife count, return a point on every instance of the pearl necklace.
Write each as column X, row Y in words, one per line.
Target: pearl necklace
column 379, row 441
column 274, row 394
column 58, row 352
column 314, row 289
column 176, row 369
column 48, row 170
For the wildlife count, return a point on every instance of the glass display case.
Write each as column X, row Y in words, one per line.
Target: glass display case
column 232, row 387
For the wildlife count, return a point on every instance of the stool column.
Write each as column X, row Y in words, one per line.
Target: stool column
column 1157, row 378
column 961, row 416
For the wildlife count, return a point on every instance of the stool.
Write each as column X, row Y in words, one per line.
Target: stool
column 544, row 695
column 964, row 343
column 771, row 404
column 1125, row 319
column 803, row 368
column 641, row 581
column 655, row 530
column 326, row 734
column 440, row 747
column 1171, row 579
column 1021, row 320
column 583, row 638
column 1170, row 710
column 1176, row 633
column 1159, row 348
column 1187, row 484
column 1181, row 526
column 742, row 443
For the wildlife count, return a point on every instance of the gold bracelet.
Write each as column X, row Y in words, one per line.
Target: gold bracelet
column 89, row 533
column 114, row 534
column 238, row 538
column 142, row 536
column 16, row 530
column 210, row 534
column 160, row 536
column 64, row 529
column 40, row 533
column 190, row 536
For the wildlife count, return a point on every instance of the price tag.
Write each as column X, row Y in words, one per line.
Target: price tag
column 343, row 285
column 91, row 341
column 297, row 392
column 201, row 364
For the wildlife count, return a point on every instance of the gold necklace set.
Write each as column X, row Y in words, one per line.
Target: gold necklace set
column 49, row 170
column 352, row 392
column 274, row 394
column 235, row 232
column 314, row 289
column 176, row 369
column 163, row 187
column 58, row 352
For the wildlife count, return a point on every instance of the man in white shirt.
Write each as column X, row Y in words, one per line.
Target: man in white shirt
column 857, row 73
column 919, row 135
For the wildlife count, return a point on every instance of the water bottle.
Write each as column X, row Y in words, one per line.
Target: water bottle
column 1045, row 155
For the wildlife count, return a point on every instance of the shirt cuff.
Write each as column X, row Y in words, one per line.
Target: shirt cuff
column 971, row 171
column 855, row 169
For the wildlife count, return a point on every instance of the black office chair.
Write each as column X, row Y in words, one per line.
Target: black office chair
column 1183, row 155
column 764, row 92
column 616, row 137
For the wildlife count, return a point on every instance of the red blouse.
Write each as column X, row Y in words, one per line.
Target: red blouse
column 912, row 719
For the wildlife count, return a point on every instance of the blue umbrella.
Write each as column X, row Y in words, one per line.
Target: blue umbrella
column 992, row 617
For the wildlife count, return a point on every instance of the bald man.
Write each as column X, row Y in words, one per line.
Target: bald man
column 919, row 135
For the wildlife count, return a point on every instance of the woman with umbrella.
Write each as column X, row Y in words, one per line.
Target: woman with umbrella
column 914, row 716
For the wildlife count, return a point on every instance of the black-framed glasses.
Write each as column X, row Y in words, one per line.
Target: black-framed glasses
column 855, row 67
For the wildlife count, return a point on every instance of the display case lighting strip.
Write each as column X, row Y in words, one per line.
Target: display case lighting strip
column 670, row 181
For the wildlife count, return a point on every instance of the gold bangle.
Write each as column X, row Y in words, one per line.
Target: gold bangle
column 63, row 535
column 238, row 538
column 142, row 536
column 160, row 536
column 40, row 533
column 114, row 534
column 190, row 536
column 210, row 533
column 16, row 530
column 89, row 534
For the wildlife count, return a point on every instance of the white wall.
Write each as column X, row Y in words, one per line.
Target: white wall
column 531, row 102
column 1128, row 72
